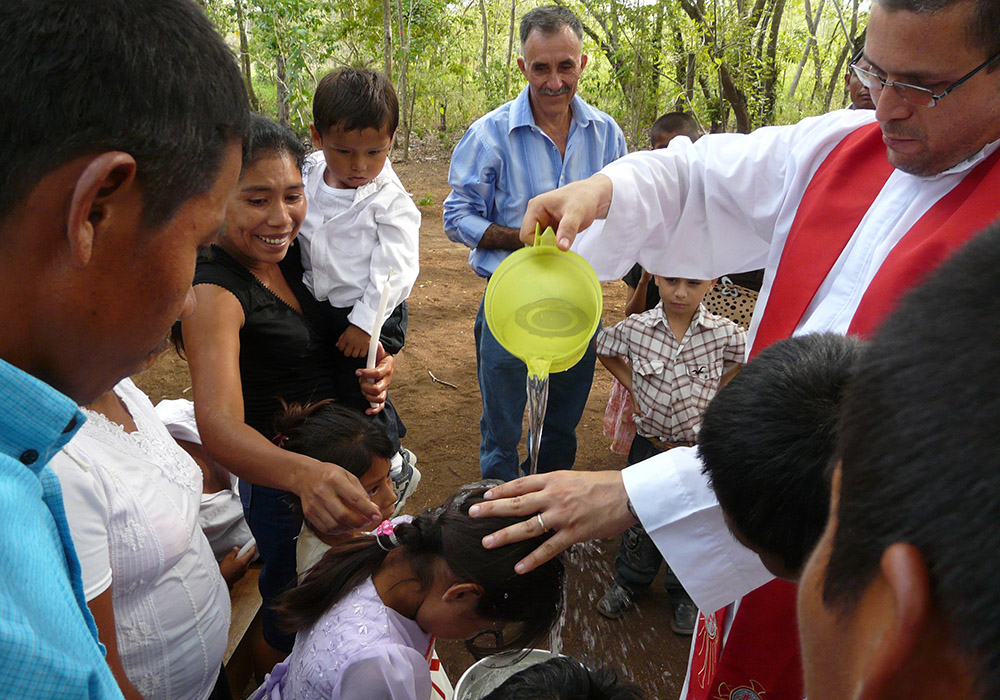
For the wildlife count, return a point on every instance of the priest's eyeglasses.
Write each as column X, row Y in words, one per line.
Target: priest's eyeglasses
column 913, row 94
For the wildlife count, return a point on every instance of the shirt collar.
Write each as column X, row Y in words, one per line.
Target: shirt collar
column 35, row 419
column 970, row 162
column 520, row 112
column 701, row 317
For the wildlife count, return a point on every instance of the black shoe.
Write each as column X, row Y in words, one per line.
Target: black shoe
column 616, row 602
column 685, row 617
column 406, row 481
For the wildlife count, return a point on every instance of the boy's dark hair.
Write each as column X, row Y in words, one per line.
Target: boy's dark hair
column 353, row 99
column 767, row 438
column 920, row 452
column 549, row 19
column 676, row 122
column 151, row 78
column 266, row 137
column 332, row 433
column 532, row 600
column 564, row 678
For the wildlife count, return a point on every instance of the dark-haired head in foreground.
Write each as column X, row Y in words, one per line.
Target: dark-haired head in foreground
column 766, row 441
column 900, row 598
column 564, row 678
column 121, row 128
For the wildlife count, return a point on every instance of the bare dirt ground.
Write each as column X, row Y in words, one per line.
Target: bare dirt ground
column 443, row 431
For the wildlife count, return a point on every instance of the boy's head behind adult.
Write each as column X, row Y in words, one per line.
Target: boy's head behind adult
column 903, row 583
column 355, row 115
column 672, row 124
column 766, row 442
column 122, row 125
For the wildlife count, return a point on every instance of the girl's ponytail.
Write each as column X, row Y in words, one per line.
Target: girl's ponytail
column 351, row 561
column 341, row 569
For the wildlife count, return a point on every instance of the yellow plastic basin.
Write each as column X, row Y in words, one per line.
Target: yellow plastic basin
column 543, row 305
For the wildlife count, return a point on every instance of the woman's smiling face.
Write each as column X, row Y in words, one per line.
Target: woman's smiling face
column 266, row 211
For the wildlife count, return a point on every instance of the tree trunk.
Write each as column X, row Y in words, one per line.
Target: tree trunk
column 282, row 88
column 510, row 48
column 409, row 120
column 245, row 57
column 836, row 77
column 387, row 39
column 811, row 46
column 403, row 89
column 486, row 38
column 770, row 64
column 735, row 97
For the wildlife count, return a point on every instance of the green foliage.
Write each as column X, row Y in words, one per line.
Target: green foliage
column 750, row 61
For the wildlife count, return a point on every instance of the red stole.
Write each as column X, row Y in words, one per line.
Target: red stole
column 837, row 198
column 761, row 656
column 760, row 659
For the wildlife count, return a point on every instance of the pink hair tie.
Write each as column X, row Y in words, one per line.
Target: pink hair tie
column 280, row 439
column 386, row 529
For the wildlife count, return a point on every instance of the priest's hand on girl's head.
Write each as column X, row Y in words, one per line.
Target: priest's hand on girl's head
column 577, row 506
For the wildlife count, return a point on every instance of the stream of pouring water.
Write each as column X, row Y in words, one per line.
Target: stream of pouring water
column 538, row 399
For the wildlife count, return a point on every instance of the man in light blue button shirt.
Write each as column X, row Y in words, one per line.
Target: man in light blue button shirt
column 544, row 138
column 122, row 126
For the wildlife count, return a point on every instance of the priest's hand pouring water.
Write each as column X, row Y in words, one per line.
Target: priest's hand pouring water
column 568, row 210
column 577, row 506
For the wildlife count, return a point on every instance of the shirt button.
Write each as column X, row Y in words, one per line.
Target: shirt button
column 29, row 457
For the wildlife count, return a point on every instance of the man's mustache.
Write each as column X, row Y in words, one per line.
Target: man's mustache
column 554, row 93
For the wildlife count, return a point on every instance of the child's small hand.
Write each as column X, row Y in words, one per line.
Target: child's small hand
column 353, row 342
column 645, row 277
column 234, row 567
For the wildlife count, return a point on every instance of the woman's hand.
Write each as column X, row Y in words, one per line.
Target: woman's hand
column 375, row 382
column 333, row 500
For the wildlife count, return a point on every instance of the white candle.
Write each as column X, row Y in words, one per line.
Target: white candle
column 377, row 328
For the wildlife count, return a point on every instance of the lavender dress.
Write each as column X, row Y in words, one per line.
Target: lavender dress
column 360, row 649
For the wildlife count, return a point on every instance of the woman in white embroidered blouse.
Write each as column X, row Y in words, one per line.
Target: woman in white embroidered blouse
column 132, row 497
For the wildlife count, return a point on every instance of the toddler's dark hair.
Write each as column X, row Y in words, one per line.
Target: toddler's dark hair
column 331, row 432
column 354, row 99
column 767, row 438
column 564, row 678
column 532, row 600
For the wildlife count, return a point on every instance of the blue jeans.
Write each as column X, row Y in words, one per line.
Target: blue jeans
column 638, row 559
column 275, row 518
column 502, row 385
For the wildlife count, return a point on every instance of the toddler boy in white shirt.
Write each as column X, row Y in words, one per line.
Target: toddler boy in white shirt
column 360, row 224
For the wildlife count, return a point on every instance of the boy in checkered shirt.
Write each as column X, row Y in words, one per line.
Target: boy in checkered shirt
column 679, row 355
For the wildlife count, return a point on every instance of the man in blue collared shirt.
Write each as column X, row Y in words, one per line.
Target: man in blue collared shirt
column 543, row 139
column 122, row 126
